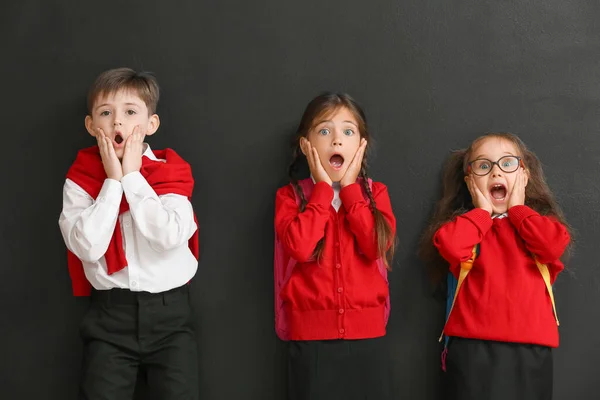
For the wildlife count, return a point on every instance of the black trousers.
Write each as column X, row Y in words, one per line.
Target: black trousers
column 487, row 370
column 339, row 369
column 126, row 331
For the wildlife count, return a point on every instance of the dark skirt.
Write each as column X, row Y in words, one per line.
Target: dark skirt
column 339, row 369
column 487, row 370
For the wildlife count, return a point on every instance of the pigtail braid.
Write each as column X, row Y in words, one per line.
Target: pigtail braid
column 386, row 240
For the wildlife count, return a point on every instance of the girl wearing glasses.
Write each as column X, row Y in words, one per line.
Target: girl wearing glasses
column 501, row 234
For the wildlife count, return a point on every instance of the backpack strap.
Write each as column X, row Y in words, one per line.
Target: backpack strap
column 546, row 276
column 465, row 268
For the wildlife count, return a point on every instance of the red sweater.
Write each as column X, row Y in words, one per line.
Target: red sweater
column 172, row 176
column 342, row 296
column 504, row 297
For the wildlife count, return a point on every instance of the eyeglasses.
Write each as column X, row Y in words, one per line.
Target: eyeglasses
column 483, row 166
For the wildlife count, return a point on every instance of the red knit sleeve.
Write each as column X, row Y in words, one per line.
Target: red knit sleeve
column 455, row 240
column 544, row 236
column 361, row 219
column 300, row 232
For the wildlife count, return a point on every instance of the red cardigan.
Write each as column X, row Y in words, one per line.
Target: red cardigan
column 504, row 297
column 87, row 171
column 341, row 296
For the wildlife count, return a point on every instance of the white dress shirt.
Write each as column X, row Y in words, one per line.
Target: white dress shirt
column 156, row 230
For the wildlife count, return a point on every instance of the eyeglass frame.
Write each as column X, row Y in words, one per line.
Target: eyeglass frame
column 470, row 169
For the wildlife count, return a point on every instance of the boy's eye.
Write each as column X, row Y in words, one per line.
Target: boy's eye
column 348, row 132
column 324, row 131
column 105, row 113
column 131, row 112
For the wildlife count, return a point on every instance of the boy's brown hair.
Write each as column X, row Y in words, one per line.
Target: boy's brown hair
column 143, row 84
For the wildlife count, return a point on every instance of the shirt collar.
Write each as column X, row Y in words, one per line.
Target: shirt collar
column 149, row 153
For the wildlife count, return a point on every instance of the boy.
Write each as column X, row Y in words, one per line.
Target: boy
column 131, row 233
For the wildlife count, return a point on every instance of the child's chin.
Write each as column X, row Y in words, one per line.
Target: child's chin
column 335, row 176
column 500, row 209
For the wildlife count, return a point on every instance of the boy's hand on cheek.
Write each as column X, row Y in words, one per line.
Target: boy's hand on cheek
column 132, row 153
column 112, row 165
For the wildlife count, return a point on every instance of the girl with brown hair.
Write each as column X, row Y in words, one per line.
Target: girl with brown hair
column 335, row 234
column 501, row 234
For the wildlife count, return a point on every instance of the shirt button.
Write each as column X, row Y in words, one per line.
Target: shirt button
column 341, row 310
column 338, row 266
column 340, row 290
column 342, row 331
column 133, row 283
column 101, row 199
column 337, row 244
column 127, row 224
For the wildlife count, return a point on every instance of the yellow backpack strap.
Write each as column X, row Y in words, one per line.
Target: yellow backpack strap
column 546, row 275
column 465, row 268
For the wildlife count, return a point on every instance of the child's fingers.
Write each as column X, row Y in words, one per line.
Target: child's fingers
column 316, row 160
column 307, row 152
column 109, row 147
column 358, row 156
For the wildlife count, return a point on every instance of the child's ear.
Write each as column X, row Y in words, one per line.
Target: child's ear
column 303, row 145
column 89, row 125
column 153, row 124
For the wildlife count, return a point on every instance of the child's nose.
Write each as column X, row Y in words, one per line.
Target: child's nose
column 496, row 171
column 337, row 138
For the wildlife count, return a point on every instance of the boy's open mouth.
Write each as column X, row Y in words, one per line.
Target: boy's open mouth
column 336, row 161
column 498, row 191
column 118, row 138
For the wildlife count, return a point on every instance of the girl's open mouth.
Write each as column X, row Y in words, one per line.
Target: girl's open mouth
column 498, row 192
column 118, row 139
column 336, row 161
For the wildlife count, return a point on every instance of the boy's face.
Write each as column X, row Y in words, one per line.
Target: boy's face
column 336, row 138
column 117, row 114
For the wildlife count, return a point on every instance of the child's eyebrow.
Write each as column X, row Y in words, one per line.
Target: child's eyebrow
column 330, row 121
column 508, row 153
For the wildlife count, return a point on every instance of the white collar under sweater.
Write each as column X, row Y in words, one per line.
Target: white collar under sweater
column 336, row 202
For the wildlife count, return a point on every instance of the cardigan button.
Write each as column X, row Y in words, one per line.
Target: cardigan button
column 337, row 244
column 342, row 331
column 338, row 266
column 341, row 310
column 340, row 289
